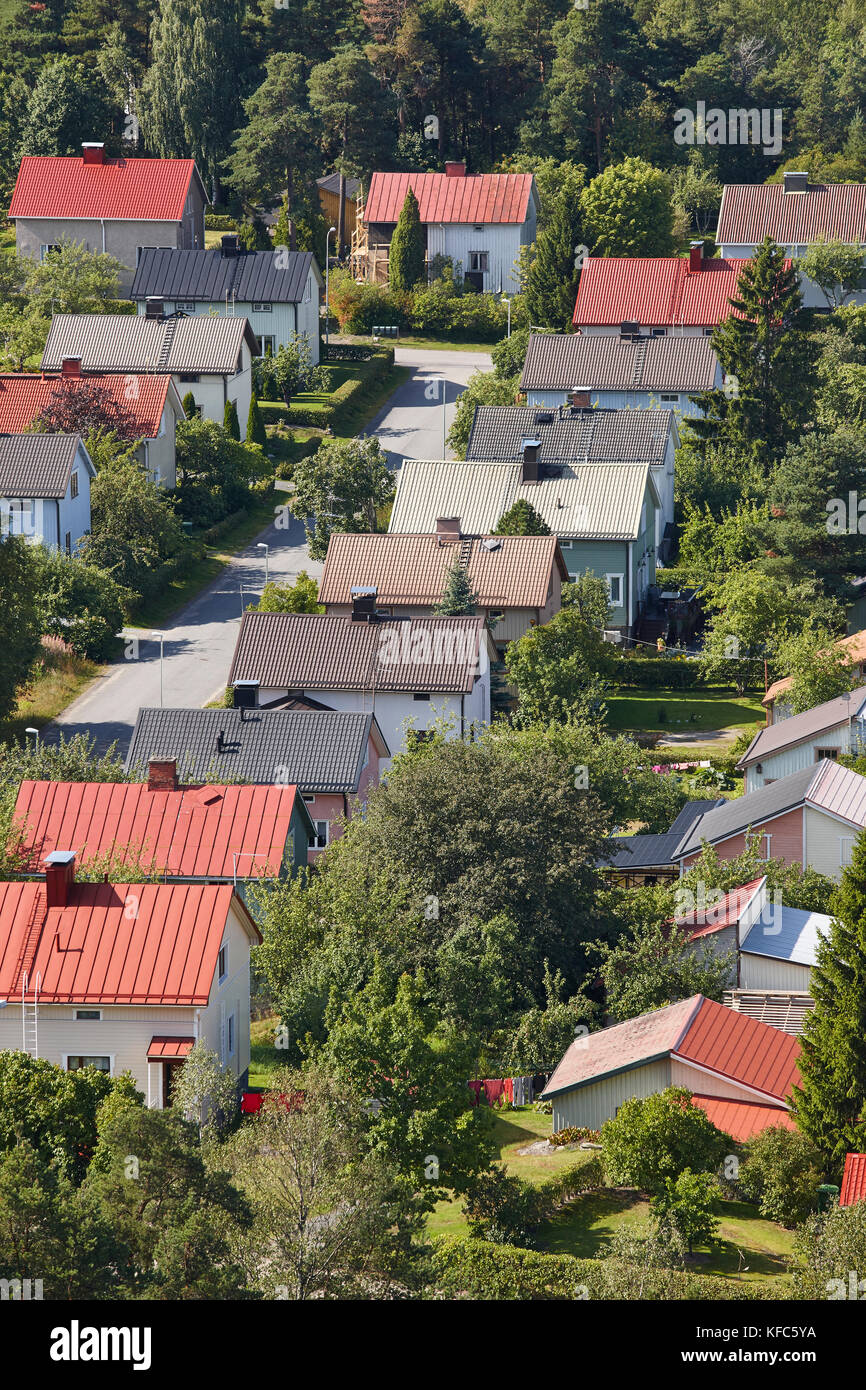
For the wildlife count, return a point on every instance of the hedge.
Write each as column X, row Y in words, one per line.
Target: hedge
column 217, row 222
column 344, row 400
column 632, row 668
column 478, row 1269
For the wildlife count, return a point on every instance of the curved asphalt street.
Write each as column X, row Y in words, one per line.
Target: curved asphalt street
column 200, row 640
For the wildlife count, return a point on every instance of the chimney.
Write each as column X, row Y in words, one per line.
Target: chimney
column 59, row 876
column 363, row 603
column 629, row 328
column 448, row 528
column 796, row 182
column 529, row 463
column 221, row 741
column 456, row 170
column 162, row 775
column 579, row 399
column 154, row 307
column 93, row 152
column 70, row 367
column 245, row 694
column 696, row 255
column 230, row 244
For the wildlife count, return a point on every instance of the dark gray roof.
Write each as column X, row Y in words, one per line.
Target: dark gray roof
column 654, row 851
column 36, row 465
column 331, row 184
column 596, row 436
column 609, row 362
column 730, row 817
column 785, row 733
column 318, row 751
column 250, row 277
column 133, row 343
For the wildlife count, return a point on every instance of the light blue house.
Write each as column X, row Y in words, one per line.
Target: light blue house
column 45, row 489
column 624, row 371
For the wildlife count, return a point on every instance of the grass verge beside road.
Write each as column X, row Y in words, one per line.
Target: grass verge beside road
column 58, row 680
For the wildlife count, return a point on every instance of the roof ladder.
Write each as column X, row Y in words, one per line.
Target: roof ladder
column 639, row 359
column 169, row 330
column 30, row 1016
column 464, row 554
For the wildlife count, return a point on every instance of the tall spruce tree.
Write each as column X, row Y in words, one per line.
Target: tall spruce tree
column 406, row 261
column 458, row 597
column 231, row 423
column 830, row 1105
column 551, row 287
column 256, row 433
column 766, row 356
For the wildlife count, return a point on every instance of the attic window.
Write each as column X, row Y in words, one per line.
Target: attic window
column 262, row 308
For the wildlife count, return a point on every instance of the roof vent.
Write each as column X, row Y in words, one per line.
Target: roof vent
column 59, row 876
column 455, row 170
column 245, row 694
column 70, row 366
column 796, row 182
column 448, row 528
column 363, row 603
column 492, row 543
column 93, row 152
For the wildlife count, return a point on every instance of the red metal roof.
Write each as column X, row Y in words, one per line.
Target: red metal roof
column 724, row 912
column 743, row 1119
column 23, row 397
column 481, row 198
column 749, row 212
column 658, row 291
column 153, row 190
column 853, row 1180
column 160, row 1048
column 194, row 833
column 741, row 1049
column 114, row 943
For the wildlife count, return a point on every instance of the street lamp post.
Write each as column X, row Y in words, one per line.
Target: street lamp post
column 35, row 733
column 160, row 638
column 508, row 302
column 266, row 548
column 444, row 417
column 331, row 231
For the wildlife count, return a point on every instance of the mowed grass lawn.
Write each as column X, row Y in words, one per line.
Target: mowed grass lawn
column 678, row 711
column 748, row 1248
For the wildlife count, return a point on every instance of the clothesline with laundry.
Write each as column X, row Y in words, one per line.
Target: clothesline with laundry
column 516, row 1090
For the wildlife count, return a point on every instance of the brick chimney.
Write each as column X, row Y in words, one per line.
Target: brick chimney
column 696, row 255
column 529, row 460
column 59, row 876
column 162, row 775
column 456, row 170
column 93, row 152
column 448, row 528
column 70, row 367
column 579, row 399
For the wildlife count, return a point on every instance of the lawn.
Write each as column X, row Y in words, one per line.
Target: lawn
column 748, row 1248
column 264, row 1057
column 678, row 711
column 407, row 340
column 368, row 405
column 60, row 680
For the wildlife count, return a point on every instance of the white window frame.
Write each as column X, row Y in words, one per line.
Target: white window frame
column 670, row 396
column 67, row 1055
column 566, row 544
column 314, row 843
column 231, row 1034
column 619, row 601
column 263, row 307
column 46, row 247
column 264, row 340
column 483, row 266
column 73, row 483
column 844, row 840
column 78, row 1019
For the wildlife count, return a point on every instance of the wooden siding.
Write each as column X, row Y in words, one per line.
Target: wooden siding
column 590, row 1106
column 764, row 972
column 786, row 842
column 828, row 843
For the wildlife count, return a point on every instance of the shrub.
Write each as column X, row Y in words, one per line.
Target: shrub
column 781, row 1173
column 505, row 1209
column 574, row 1134
column 665, row 672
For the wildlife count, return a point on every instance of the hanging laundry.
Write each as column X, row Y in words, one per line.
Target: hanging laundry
column 493, row 1091
column 475, row 1088
column 508, row 1090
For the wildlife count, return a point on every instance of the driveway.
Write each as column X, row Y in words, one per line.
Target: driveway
column 412, row 424
column 197, row 647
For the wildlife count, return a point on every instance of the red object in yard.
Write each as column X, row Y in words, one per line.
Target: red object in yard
column 251, row 1103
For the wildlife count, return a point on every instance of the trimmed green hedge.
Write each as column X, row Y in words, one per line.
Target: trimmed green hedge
column 632, row 668
column 345, row 399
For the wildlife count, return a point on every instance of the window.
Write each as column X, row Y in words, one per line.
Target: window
column 88, row 1015
column 643, row 511
column 846, row 847
column 262, row 308
column 767, row 846
column 100, row 1063
column 659, row 332
column 73, row 483
column 666, row 396
column 826, row 753
column 565, row 545
column 46, row 251
column 68, row 543
column 231, row 1035
column 268, row 342
column 187, row 308
column 419, row 696
column 496, row 615
column 614, row 584
column 320, row 835
column 189, row 376
column 223, row 962
column 479, row 260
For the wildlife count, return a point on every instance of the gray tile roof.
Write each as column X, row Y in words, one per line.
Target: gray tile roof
column 36, row 465
column 319, row 751
column 653, row 851
column 331, row 184
column 799, row 728
column 607, row 362
column 209, row 276
column 318, row 651
column 132, row 343
column 596, row 436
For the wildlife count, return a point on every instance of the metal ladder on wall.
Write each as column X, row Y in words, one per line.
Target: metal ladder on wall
column 30, row 1016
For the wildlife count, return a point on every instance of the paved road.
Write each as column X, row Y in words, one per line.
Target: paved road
column 197, row 648
column 199, row 643
column 411, row 423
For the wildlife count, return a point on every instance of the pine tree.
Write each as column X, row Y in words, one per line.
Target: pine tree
column 190, row 409
column 255, row 428
column 829, row 1104
column 231, row 424
column 521, row 520
column 552, row 285
column 406, row 261
column 458, row 597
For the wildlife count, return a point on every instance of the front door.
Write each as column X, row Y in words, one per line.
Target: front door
column 169, row 1070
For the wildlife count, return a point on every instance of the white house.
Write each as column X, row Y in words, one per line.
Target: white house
column 825, row 731
column 45, row 489
column 621, row 371
column 125, row 977
column 277, row 291
column 796, row 214
column 409, row 673
column 211, row 357
column 477, row 221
